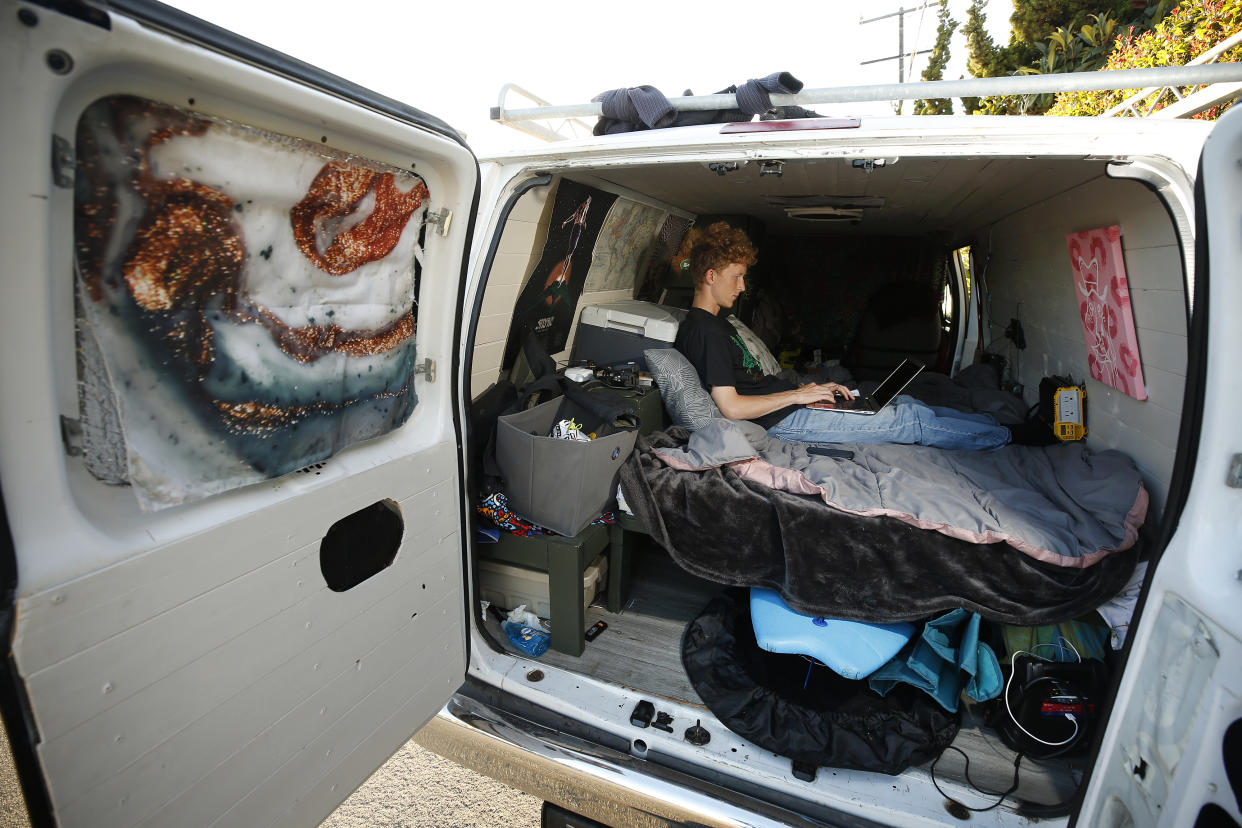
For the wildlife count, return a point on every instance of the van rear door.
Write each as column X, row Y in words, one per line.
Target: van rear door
column 233, row 526
column 1169, row 755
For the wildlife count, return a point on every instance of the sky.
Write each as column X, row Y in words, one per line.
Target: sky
column 451, row 58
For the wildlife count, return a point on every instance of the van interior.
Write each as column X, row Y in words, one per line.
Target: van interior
column 965, row 256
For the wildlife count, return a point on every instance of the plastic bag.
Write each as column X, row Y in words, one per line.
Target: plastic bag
column 521, row 615
column 532, row 641
column 568, row 429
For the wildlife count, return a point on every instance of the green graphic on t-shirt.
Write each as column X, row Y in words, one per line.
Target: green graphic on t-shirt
column 749, row 363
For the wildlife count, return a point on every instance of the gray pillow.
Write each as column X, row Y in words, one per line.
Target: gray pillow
column 687, row 403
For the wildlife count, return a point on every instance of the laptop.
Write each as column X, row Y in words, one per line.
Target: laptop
column 872, row 403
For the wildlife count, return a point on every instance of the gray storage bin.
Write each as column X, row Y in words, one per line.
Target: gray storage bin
column 562, row 485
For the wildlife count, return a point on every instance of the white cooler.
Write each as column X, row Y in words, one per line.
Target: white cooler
column 621, row 331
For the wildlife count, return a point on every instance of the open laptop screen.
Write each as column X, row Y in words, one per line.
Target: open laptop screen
column 896, row 381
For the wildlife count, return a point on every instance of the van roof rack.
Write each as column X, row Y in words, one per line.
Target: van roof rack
column 1223, row 81
column 1185, row 105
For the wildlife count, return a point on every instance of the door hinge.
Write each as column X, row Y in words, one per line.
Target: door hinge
column 63, row 162
column 428, row 367
column 1234, row 478
column 443, row 218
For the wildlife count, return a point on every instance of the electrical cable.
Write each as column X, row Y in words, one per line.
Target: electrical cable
column 1061, row 643
column 918, row 32
column 1016, row 762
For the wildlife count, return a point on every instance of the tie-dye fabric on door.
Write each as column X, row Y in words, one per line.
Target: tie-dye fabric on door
column 1104, row 305
column 250, row 296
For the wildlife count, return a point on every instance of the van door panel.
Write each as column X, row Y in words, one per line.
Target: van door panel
column 1162, row 756
column 190, row 664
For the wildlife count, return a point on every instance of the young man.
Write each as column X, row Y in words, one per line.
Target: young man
column 718, row 259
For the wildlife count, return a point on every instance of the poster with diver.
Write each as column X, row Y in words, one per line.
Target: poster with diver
column 549, row 301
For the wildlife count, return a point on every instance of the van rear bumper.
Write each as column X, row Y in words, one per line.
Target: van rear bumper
column 598, row 782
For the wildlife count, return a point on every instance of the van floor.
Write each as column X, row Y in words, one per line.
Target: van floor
column 641, row 649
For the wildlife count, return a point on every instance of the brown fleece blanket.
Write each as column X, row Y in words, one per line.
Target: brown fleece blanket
column 826, row 562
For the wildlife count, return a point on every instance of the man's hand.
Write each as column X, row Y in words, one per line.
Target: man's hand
column 822, row 392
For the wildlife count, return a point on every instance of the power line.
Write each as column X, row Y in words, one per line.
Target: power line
column 901, row 55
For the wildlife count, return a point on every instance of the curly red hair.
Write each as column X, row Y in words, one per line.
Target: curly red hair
column 714, row 248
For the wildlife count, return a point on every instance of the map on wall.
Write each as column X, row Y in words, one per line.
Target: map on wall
column 1104, row 305
column 625, row 244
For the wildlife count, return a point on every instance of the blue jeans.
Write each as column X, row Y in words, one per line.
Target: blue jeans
column 904, row 420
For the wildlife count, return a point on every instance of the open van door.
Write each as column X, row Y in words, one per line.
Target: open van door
column 1170, row 754
column 229, row 432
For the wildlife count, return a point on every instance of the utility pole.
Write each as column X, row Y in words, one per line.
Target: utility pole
column 900, row 57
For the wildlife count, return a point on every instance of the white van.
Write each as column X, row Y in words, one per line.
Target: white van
column 247, row 306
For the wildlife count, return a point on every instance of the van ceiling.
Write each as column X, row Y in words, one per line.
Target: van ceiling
column 944, row 198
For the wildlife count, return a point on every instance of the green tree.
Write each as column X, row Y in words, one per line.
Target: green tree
column 1034, row 20
column 1182, row 35
column 984, row 59
column 1052, row 36
column 945, row 26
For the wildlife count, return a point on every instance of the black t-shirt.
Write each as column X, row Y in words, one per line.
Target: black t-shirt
column 720, row 357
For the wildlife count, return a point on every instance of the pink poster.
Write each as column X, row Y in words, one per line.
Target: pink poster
column 1104, row 305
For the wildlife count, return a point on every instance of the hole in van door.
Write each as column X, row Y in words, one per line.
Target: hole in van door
column 360, row 545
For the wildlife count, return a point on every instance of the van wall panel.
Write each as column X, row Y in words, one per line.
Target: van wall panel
column 518, row 237
column 336, row 631
column 251, row 774
column 100, row 698
column 500, row 299
column 1146, row 222
column 105, row 676
column 532, row 206
column 509, row 270
column 1163, row 311
column 1158, row 422
column 77, row 616
column 1154, row 267
column 162, row 698
column 81, row 614
column 1029, row 276
column 1165, row 389
column 489, row 355
column 350, row 736
column 1104, row 202
column 492, row 328
column 1163, row 350
column 325, row 796
column 517, row 253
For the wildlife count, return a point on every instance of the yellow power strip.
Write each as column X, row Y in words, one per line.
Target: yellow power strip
column 1070, row 416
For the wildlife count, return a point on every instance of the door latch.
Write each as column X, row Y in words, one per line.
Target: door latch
column 427, row 367
column 441, row 218
column 1234, row 478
